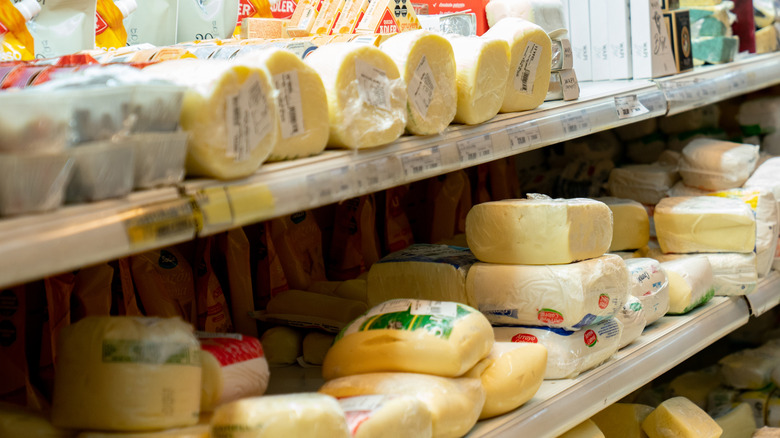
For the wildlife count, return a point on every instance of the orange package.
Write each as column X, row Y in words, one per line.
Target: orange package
column 397, row 230
column 251, row 9
column 213, row 314
column 269, row 279
column 110, row 32
column 17, row 42
column 355, row 244
column 298, row 241
column 165, row 284
column 93, row 292
column 234, row 244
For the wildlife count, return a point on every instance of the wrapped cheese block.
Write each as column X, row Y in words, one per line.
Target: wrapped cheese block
column 427, row 65
column 548, row 14
column 749, row 369
column 530, row 63
column 433, row 337
column 567, row 296
column 737, row 422
column 282, row 345
column 632, row 316
column 679, row 417
column 455, row 404
column 539, row 230
column 387, row 416
column 127, row 374
column 732, row 273
column 710, row 164
column 316, row 346
column 765, row 177
column 648, row 282
column 230, row 112
column 16, row 421
column 644, row 183
column 622, row 420
column 366, row 94
column 690, row 283
column 630, row 224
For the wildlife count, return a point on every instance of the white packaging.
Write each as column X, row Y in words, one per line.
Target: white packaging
column 620, row 60
column 64, row 27
column 760, row 116
column 710, row 164
column 159, row 158
column 649, row 283
column 33, row 183
column 748, row 369
column 154, row 22
column 765, row 176
column 600, row 40
column 580, row 36
column 547, row 14
column 680, row 189
column 33, row 121
column 651, row 47
column 732, row 273
column 206, row 19
column 690, row 283
column 387, row 416
column 632, row 316
column 644, row 183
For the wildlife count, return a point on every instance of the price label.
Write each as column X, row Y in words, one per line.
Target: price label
column 160, row 225
column 250, row 203
column 629, row 106
column 420, row 162
column 738, row 81
column 475, row 148
column 575, row 122
column 524, row 136
column 213, row 208
column 375, row 173
column 335, row 184
column 708, row 88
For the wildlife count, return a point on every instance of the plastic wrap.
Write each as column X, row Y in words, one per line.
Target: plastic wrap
column 456, row 23
column 33, row 183
column 64, row 27
column 630, row 222
column 548, row 14
column 717, row 165
column 153, row 22
column 644, row 183
column 760, row 116
column 159, row 158
column 433, row 337
column 649, row 283
column 33, row 121
column 157, row 107
column 632, row 315
column 387, row 416
column 206, row 19
column 101, row 170
column 164, row 281
column 748, row 369
column 690, row 283
column 455, row 404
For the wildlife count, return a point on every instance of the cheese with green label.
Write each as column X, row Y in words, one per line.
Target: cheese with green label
column 586, row 429
column 710, row 164
column 732, row 273
column 648, row 282
column 622, row 420
column 749, row 369
column 737, row 422
column 690, row 283
column 630, row 224
column 632, row 316
column 679, row 417
column 387, row 416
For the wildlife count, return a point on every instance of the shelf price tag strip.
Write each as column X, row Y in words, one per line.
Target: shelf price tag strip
column 330, row 185
column 420, row 162
column 475, row 148
column 629, row 106
column 160, row 224
column 374, row 173
column 524, row 136
column 575, row 123
column 214, row 208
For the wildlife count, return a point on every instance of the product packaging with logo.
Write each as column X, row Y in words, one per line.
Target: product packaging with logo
column 154, row 22
column 64, row 27
column 206, row 19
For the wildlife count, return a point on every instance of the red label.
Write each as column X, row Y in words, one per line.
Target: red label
column 360, row 18
column 355, row 419
column 283, row 8
column 549, row 316
column 100, row 24
column 387, row 24
column 525, row 337
column 3, row 29
column 590, row 338
column 245, row 10
column 229, row 351
column 603, row 301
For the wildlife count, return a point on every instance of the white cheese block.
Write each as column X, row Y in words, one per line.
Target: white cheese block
column 569, row 353
column 711, row 164
column 511, row 375
column 387, row 416
column 586, row 429
column 16, row 421
column 454, row 404
column 548, row 14
column 568, row 296
column 758, row 401
column 704, row 224
column 738, row 422
column 732, row 273
column 644, row 183
column 773, row 412
column 765, row 176
column 301, row 100
column 199, row 431
column 127, row 374
column 229, row 111
column 632, row 316
column 306, row 415
column 748, row 369
column 422, row 271
column 680, row 189
column 434, row 337
column 539, row 230
column 696, row 386
column 648, row 282
column 366, row 94
column 427, row 65
column 690, row 283
column 482, row 71
column 622, row 420
column 679, row 417
column 630, row 224
column 530, row 63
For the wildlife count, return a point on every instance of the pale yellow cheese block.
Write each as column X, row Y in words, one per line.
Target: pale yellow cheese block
column 366, row 94
column 427, row 64
column 738, row 422
column 630, row 224
column 316, row 346
column 530, row 63
column 696, row 386
column 16, row 421
column 680, row 417
column 690, row 283
column 586, row 429
column 282, row 345
column 539, row 231
column 387, row 416
column 455, row 404
column 622, row 420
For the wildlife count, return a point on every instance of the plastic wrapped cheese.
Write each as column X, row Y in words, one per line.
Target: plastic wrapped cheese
column 622, row 420
column 16, row 421
column 539, row 230
column 230, row 112
column 199, row 431
column 630, row 224
column 711, row 164
column 530, row 63
column 305, row 415
column 696, row 386
column 632, row 316
column 648, row 282
column 127, row 374
column 387, row 416
column 427, row 65
column 569, row 353
column 737, row 422
column 548, row 14
column 680, row 189
column 690, row 283
column 704, row 224
column 679, row 417
column 732, row 273
column 748, row 369
column 567, row 296
column 282, row 345
column 644, row 183
column 455, row 404
column 434, row 337
column 765, row 177
column 366, row 94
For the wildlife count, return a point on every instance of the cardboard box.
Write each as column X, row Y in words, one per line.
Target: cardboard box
column 580, row 37
column 388, row 17
column 620, row 63
column 599, row 40
column 264, row 28
column 679, row 26
column 651, row 45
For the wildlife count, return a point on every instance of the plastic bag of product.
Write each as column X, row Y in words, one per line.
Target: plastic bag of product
column 717, row 165
column 213, row 311
column 690, row 283
column 64, row 27
column 154, row 22
column 101, row 170
column 649, row 283
column 159, row 158
column 32, row 183
column 644, row 183
column 165, row 283
column 387, row 416
column 206, row 19
column 632, row 316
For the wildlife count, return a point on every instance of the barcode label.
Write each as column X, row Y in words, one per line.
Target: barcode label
column 475, row 148
column 329, row 185
column 372, row 173
column 629, row 106
column 160, row 225
column 524, row 136
column 420, row 162
column 442, row 308
column 576, row 122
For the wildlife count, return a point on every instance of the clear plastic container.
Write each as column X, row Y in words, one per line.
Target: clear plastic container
column 100, row 112
column 159, row 158
column 33, row 122
column 101, row 170
column 33, row 183
column 157, row 107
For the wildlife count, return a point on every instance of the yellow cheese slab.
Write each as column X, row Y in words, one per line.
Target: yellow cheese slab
column 586, row 429
column 630, row 224
column 680, row 417
column 622, row 420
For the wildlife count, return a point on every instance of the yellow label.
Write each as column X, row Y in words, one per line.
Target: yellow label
column 16, row 42
column 250, row 203
column 213, row 208
column 160, row 224
column 749, row 197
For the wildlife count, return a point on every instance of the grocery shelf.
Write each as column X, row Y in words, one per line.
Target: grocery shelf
column 766, row 296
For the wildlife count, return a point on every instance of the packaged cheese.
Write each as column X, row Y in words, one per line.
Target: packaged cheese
column 315, row 347
column 732, row 273
column 548, row 14
column 690, row 283
column 697, row 386
column 387, row 416
column 679, row 417
column 632, row 316
column 622, row 420
column 282, row 345
column 748, row 369
column 710, row 164
column 644, row 183
column 648, row 282
column 630, row 224
column 737, row 422
column 765, row 177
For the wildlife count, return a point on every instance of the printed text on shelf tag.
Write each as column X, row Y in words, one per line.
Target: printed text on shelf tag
column 475, row 148
column 419, row 162
column 330, row 184
column 575, row 122
column 524, row 136
column 629, row 106
column 370, row 174
column 161, row 224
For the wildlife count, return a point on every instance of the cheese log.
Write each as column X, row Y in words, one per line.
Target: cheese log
column 630, row 224
column 302, row 103
column 298, row 302
column 732, row 273
column 548, row 14
column 234, row 367
column 710, row 164
column 530, row 63
column 199, row 431
column 127, row 374
column 421, row 271
column 511, row 375
column 306, row 415
column 704, row 224
column 569, row 353
column 418, row 336
column 229, row 111
column 16, row 421
column 632, row 316
column 586, row 429
column 539, row 230
column 566, row 296
column 696, row 386
column 622, row 420
column 454, row 404
column 748, row 369
column 282, row 345
column 679, row 417
column 387, row 416
column 316, row 346
column 366, row 94
column 690, row 283
column 738, row 422
column 427, row 65
column 644, row 183
column 648, row 282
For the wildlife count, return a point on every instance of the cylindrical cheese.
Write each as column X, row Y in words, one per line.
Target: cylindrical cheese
column 632, row 316
column 230, row 112
column 127, row 374
column 427, row 65
column 530, row 63
column 630, row 224
column 366, row 94
column 710, row 164
column 678, row 416
column 387, row 416
column 234, row 367
column 316, row 346
column 690, row 283
column 648, row 282
column 434, row 337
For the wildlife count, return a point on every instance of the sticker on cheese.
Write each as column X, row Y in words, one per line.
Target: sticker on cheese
column 511, row 375
column 427, row 65
column 630, row 224
column 454, row 404
column 199, row 431
column 690, row 283
column 622, row 420
column 127, row 374
column 234, row 367
column 548, row 14
column 539, row 230
column 422, row 271
column 748, row 369
column 306, row 415
column 704, row 224
column 366, row 94
column 482, row 70
column 586, row 429
column 679, row 417
column 648, row 282
column 710, row 164
column 16, row 421
column 303, row 307
column 387, row 416
column 732, row 273
column 282, row 345
column 632, row 316
column 644, row 183
column 443, row 338
column 737, row 422
column 569, row 353
column 530, row 63
column 316, row 346
column 302, row 103
column 230, row 112
column 567, row 296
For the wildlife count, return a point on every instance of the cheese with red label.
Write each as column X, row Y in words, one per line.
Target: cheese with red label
column 387, row 416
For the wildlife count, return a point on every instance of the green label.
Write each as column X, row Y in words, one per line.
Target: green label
column 437, row 325
column 705, row 298
column 158, row 353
